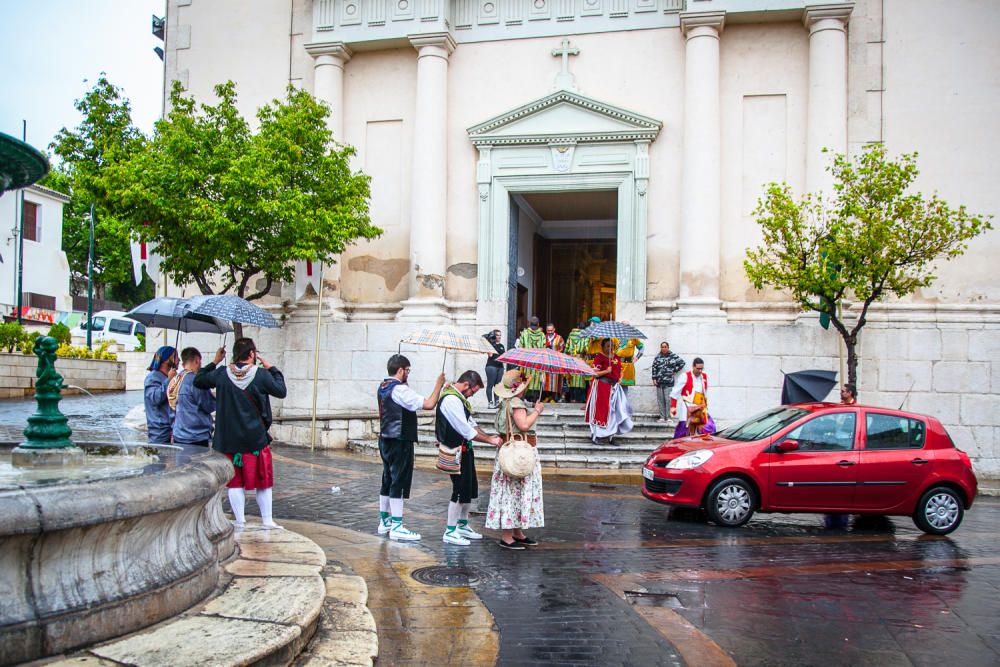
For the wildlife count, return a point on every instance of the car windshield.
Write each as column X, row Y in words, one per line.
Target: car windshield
column 763, row 425
column 96, row 324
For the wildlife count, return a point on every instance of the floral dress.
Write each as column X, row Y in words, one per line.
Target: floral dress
column 514, row 503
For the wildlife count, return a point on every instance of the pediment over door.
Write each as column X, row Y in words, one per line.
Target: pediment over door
column 564, row 117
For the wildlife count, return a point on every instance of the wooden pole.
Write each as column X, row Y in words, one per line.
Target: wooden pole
column 319, row 321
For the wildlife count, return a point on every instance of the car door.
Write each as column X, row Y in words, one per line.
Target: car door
column 895, row 463
column 821, row 474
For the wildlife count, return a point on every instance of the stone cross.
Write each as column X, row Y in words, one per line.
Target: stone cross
column 565, row 79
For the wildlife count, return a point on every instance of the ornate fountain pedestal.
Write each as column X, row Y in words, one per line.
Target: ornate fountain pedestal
column 47, row 434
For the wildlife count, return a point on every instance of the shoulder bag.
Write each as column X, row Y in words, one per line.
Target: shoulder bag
column 517, row 458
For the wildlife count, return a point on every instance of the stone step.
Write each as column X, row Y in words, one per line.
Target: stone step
column 592, row 456
column 265, row 614
column 347, row 634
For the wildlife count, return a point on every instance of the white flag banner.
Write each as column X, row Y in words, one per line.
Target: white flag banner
column 138, row 250
column 152, row 261
column 307, row 274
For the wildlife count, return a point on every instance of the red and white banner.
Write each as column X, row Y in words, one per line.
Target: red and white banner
column 307, row 274
column 143, row 254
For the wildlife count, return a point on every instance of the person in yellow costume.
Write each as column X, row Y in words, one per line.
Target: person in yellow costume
column 532, row 337
column 629, row 352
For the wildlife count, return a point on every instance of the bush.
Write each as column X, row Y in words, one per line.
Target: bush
column 27, row 343
column 60, row 332
column 141, row 347
column 73, row 352
column 11, row 334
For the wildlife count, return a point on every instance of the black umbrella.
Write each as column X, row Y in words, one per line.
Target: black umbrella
column 807, row 386
column 172, row 313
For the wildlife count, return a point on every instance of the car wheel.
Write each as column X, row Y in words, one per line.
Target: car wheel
column 939, row 511
column 730, row 502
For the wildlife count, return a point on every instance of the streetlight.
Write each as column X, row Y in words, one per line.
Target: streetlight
column 90, row 281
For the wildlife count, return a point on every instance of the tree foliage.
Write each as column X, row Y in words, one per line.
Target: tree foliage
column 105, row 137
column 225, row 204
column 873, row 239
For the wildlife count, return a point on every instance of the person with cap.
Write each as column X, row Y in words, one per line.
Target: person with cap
column 515, row 504
column 159, row 414
column 397, row 412
column 243, row 417
column 533, row 338
column 455, row 428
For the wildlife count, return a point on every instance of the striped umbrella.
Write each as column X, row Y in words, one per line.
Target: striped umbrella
column 612, row 329
column 546, row 360
column 449, row 339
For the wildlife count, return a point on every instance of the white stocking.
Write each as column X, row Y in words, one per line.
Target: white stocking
column 264, row 502
column 396, row 506
column 238, row 498
column 383, row 503
column 465, row 511
column 454, row 510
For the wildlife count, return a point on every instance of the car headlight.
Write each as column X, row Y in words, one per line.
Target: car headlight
column 691, row 460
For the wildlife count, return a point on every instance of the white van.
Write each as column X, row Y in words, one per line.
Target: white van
column 110, row 325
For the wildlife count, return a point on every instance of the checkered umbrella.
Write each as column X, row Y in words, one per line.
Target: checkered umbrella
column 450, row 339
column 544, row 359
column 232, row 308
column 612, row 329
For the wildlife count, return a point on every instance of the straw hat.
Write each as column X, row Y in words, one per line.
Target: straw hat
column 506, row 387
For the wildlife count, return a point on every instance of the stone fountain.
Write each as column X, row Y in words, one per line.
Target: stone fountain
column 99, row 541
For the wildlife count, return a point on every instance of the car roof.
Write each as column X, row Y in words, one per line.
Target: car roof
column 825, row 405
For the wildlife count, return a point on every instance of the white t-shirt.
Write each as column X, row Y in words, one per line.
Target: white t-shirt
column 454, row 412
column 407, row 398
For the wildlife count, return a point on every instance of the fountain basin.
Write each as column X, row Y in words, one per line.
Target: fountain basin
column 109, row 547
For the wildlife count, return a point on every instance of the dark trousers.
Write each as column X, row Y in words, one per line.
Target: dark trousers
column 465, row 486
column 397, row 467
column 493, row 376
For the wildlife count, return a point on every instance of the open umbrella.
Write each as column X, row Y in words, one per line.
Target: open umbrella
column 449, row 339
column 545, row 360
column 807, row 386
column 232, row 308
column 173, row 313
column 612, row 329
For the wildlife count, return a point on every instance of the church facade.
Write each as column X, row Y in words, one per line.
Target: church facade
column 570, row 158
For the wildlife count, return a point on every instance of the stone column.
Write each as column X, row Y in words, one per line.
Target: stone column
column 701, row 212
column 429, row 198
column 329, row 59
column 826, row 124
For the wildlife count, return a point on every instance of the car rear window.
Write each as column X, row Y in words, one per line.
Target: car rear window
column 120, row 326
column 893, row 432
column 763, row 425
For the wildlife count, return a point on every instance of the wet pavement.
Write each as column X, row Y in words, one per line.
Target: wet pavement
column 617, row 580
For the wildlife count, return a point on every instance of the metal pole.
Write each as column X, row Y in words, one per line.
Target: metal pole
column 90, row 282
column 319, row 322
column 20, row 237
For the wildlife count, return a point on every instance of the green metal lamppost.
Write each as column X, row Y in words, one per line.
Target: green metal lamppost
column 90, row 282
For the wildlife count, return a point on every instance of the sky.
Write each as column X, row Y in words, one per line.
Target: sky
column 53, row 51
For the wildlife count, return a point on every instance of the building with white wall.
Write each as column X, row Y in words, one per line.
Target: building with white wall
column 562, row 157
column 45, row 287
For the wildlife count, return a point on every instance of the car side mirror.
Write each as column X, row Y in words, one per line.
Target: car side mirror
column 787, row 446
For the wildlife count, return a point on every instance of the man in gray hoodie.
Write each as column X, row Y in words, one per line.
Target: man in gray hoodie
column 242, row 418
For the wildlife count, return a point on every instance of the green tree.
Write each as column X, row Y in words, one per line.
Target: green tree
column 226, row 204
column 873, row 239
column 105, row 137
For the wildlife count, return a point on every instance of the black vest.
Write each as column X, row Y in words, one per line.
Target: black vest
column 395, row 421
column 444, row 431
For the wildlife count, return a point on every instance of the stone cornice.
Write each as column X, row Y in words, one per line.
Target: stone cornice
column 443, row 40
column 335, row 49
column 645, row 128
column 840, row 11
column 692, row 20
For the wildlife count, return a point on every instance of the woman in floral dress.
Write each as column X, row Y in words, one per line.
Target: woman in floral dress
column 515, row 504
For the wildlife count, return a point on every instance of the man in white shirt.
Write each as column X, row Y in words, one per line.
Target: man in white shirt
column 397, row 409
column 455, row 428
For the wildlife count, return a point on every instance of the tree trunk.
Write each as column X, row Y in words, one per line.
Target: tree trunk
column 238, row 330
column 852, row 360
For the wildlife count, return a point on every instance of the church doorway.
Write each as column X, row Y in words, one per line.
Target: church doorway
column 565, row 267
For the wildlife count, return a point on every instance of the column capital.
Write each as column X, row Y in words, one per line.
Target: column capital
column 827, row 16
column 442, row 40
column 692, row 20
column 338, row 50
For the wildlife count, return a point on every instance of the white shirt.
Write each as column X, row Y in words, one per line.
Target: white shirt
column 407, row 398
column 454, row 412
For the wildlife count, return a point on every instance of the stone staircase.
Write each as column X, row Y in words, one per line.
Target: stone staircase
column 563, row 440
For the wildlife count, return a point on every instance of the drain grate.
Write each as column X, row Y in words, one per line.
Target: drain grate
column 447, row 576
column 652, row 599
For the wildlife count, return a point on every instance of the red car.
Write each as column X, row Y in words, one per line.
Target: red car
column 818, row 457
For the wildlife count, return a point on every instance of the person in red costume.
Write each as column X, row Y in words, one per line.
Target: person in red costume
column 607, row 409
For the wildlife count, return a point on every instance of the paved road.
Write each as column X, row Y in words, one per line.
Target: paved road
column 780, row 591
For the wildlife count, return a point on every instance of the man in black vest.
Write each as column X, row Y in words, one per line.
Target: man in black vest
column 455, row 427
column 397, row 409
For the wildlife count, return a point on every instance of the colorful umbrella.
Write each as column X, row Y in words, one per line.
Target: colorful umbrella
column 546, row 360
column 450, row 339
column 612, row 329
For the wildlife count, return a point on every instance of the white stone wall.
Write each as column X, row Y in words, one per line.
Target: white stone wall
column 46, row 269
column 17, row 374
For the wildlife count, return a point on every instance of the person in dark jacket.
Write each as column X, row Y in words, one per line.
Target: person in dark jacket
column 159, row 415
column 242, row 418
column 494, row 368
column 193, row 407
